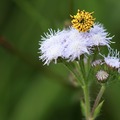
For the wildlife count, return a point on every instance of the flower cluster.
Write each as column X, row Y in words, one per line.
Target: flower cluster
column 79, row 39
column 70, row 44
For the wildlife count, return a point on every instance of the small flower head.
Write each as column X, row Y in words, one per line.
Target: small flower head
column 98, row 36
column 75, row 45
column 82, row 21
column 113, row 59
column 51, row 46
column 96, row 62
column 102, row 75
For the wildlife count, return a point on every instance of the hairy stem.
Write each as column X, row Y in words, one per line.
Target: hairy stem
column 98, row 98
column 87, row 101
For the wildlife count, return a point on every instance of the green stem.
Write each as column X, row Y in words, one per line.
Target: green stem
column 82, row 69
column 78, row 67
column 87, row 101
column 71, row 69
column 98, row 98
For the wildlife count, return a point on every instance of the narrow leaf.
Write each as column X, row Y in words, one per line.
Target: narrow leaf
column 97, row 110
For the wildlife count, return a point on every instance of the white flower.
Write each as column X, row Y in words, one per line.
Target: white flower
column 68, row 44
column 71, row 44
column 98, row 36
column 51, row 46
column 102, row 75
column 75, row 45
column 113, row 58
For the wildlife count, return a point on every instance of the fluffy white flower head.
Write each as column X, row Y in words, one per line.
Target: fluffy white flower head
column 99, row 36
column 75, row 45
column 113, row 59
column 51, row 46
column 71, row 43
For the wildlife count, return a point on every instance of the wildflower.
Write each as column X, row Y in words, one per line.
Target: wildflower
column 98, row 36
column 96, row 62
column 82, row 21
column 113, row 59
column 102, row 75
column 75, row 45
column 75, row 41
column 51, row 46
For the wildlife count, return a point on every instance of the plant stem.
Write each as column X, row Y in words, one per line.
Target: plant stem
column 98, row 98
column 82, row 68
column 87, row 101
column 71, row 69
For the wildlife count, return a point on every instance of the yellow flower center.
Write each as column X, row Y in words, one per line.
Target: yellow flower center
column 82, row 21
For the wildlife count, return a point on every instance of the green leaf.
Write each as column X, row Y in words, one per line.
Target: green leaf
column 97, row 110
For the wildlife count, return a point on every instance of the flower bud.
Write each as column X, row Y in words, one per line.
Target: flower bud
column 102, row 76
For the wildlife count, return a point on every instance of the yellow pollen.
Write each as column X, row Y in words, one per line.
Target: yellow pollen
column 82, row 21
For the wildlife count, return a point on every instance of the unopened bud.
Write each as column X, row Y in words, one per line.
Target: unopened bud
column 102, row 76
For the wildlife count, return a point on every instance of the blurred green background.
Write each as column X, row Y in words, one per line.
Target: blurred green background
column 31, row 91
